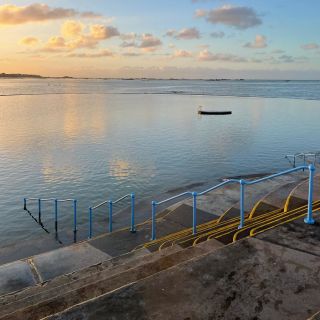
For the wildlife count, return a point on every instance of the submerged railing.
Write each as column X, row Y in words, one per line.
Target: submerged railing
column 56, row 208
column 303, row 155
column 243, row 183
column 110, row 206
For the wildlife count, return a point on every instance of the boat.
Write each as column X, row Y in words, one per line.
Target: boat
column 219, row 113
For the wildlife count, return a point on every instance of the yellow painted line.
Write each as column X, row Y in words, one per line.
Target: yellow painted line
column 255, row 223
column 263, row 223
column 286, row 206
column 253, row 231
column 233, row 226
column 224, row 214
column 225, row 227
column 286, row 216
column 253, row 210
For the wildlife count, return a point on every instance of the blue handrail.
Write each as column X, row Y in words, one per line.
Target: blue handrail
column 304, row 156
column 243, row 183
column 56, row 201
column 110, row 205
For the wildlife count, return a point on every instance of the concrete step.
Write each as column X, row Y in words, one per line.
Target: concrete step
column 250, row 279
column 59, row 298
column 123, row 241
column 111, row 265
column 299, row 195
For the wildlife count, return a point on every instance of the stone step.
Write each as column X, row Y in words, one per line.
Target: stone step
column 60, row 298
column 250, row 279
column 128, row 260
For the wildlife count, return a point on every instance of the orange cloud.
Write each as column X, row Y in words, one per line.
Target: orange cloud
column 29, row 41
column 72, row 29
column 72, row 36
column 11, row 14
column 55, row 43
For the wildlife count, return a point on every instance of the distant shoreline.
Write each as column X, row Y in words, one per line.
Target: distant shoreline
column 35, row 76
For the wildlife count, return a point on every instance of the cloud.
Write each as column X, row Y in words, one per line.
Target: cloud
column 200, row 13
column 129, row 36
column 146, row 42
column 286, row 58
column 149, row 42
column 184, row 34
column 102, row 32
column 99, row 54
column 217, row 34
column 73, row 36
column 182, row 54
column 131, row 54
column 278, row 51
column 259, row 42
column 233, row 16
column 310, row 46
column 72, row 28
column 11, row 14
column 29, row 41
column 206, row 55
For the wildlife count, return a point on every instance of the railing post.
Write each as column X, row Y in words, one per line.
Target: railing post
column 110, row 216
column 242, row 184
column 309, row 219
column 133, row 228
column 194, row 212
column 75, row 220
column 304, row 161
column 56, row 215
column 39, row 214
column 153, row 234
column 294, row 161
column 24, row 204
column 90, row 223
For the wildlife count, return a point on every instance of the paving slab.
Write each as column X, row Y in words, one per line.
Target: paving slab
column 15, row 276
column 67, row 260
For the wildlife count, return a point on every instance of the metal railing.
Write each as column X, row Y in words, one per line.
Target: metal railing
column 56, row 202
column 303, row 155
column 110, row 206
column 243, row 183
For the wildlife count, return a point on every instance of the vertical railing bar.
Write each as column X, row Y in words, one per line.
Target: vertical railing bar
column 39, row 213
column 153, row 218
column 74, row 220
column 56, row 215
column 242, row 183
column 110, row 216
column 90, row 223
column 133, row 228
column 194, row 213
column 309, row 219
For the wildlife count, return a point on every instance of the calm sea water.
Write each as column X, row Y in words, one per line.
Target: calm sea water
column 99, row 139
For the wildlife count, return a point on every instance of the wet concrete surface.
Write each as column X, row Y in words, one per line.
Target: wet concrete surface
column 66, row 260
column 16, row 276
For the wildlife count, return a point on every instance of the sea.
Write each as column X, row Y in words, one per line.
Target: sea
column 99, row 139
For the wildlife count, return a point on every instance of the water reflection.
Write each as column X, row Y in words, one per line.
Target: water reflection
column 97, row 147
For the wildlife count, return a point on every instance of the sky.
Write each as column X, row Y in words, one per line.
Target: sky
column 251, row 39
